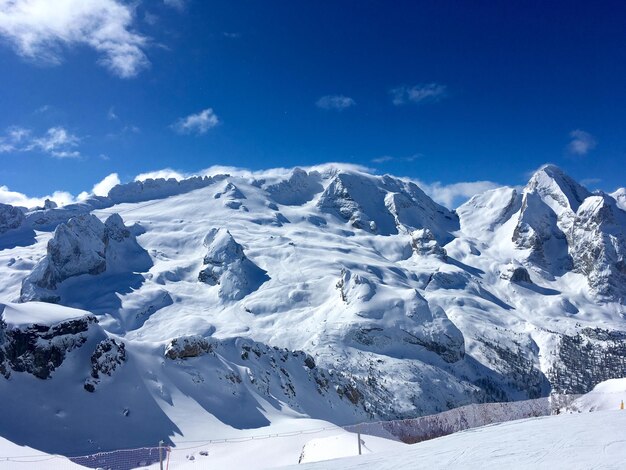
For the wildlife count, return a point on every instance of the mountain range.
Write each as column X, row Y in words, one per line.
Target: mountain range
column 225, row 303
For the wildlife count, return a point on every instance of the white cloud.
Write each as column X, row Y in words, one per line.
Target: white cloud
column 57, row 142
column 19, row 199
column 62, row 198
column 198, row 123
column 581, row 142
column 452, row 195
column 103, row 187
column 337, row 102
column 40, row 29
column 418, row 93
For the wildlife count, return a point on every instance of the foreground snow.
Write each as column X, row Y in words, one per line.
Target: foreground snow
column 573, row 441
column 14, row 456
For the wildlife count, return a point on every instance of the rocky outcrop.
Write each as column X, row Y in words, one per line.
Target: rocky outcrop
column 10, row 218
column 228, row 267
column 516, row 273
column 424, row 243
column 84, row 245
column 354, row 288
column 188, row 346
column 39, row 349
column 108, row 356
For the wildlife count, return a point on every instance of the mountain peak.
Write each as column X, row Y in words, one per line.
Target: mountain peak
column 557, row 189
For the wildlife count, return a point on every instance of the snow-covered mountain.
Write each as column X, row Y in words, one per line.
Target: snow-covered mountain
column 224, row 303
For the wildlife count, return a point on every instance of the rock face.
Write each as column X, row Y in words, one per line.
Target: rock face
column 549, row 204
column 39, row 349
column 228, row 267
column 599, row 246
column 84, row 245
column 591, row 356
column 10, row 217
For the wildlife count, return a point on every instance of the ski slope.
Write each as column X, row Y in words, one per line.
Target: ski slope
column 574, row 441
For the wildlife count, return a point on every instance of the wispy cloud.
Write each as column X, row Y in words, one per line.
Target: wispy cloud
column 591, row 181
column 39, row 30
column 231, row 35
column 422, row 93
column 581, row 143
column 178, row 4
column 336, row 102
column 389, row 158
column 111, row 115
column 383, row 159
column 198, row 123
column 57, row 142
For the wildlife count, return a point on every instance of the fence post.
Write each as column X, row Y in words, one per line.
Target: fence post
column 358, row 436
column 161, row 454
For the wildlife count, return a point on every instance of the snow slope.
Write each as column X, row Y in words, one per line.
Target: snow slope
column 579, row 441
column 608, row 395
column 324, row 293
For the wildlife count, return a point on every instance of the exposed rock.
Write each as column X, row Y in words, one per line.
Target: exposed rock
column 40, row 349
column 105, row 360
column 516, row 274
column 424, row 244
column 227, row 266
column 10, row 217
column 188, row 346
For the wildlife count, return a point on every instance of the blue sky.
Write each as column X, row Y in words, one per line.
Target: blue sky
column 446, row 92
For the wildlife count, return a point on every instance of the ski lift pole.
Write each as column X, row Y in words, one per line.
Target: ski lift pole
column 161, row 454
